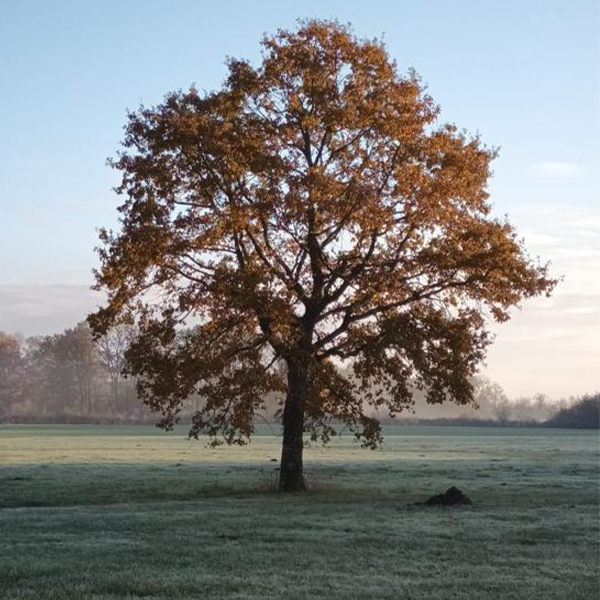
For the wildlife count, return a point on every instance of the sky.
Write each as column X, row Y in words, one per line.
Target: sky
column 525, row 76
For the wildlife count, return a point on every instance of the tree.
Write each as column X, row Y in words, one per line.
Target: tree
column 69, row 361
column 10, row 364
column 311, row 213
column 489, row 393
column 583, row 414
column 76, row 349
column 111, row 350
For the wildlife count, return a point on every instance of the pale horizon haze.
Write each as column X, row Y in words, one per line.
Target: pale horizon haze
column 525, row 76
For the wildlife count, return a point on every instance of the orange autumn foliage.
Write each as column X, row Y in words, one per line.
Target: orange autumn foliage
column 310, row 214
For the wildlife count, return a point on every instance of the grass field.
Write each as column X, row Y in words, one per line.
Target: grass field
column 91, row 512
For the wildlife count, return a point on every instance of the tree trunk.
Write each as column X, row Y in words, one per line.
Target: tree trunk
column 291, row 478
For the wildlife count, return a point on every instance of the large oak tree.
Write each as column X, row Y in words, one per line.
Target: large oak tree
column 311, row 214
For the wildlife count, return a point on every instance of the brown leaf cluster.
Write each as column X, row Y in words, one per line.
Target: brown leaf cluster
column 312, row 211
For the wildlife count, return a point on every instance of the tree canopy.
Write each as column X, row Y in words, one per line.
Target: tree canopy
column 309, row 214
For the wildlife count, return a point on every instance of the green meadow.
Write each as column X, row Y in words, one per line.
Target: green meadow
column 89, row 512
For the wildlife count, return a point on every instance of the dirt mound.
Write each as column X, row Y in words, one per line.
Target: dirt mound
column 452, row 497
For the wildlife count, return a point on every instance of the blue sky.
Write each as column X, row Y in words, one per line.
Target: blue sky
column 524, row 75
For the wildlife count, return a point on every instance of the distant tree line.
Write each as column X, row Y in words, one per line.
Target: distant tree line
column 72, row 378
column 585, row 413
column 67, row 377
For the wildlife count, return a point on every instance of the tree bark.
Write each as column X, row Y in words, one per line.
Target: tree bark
column 291, row 478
